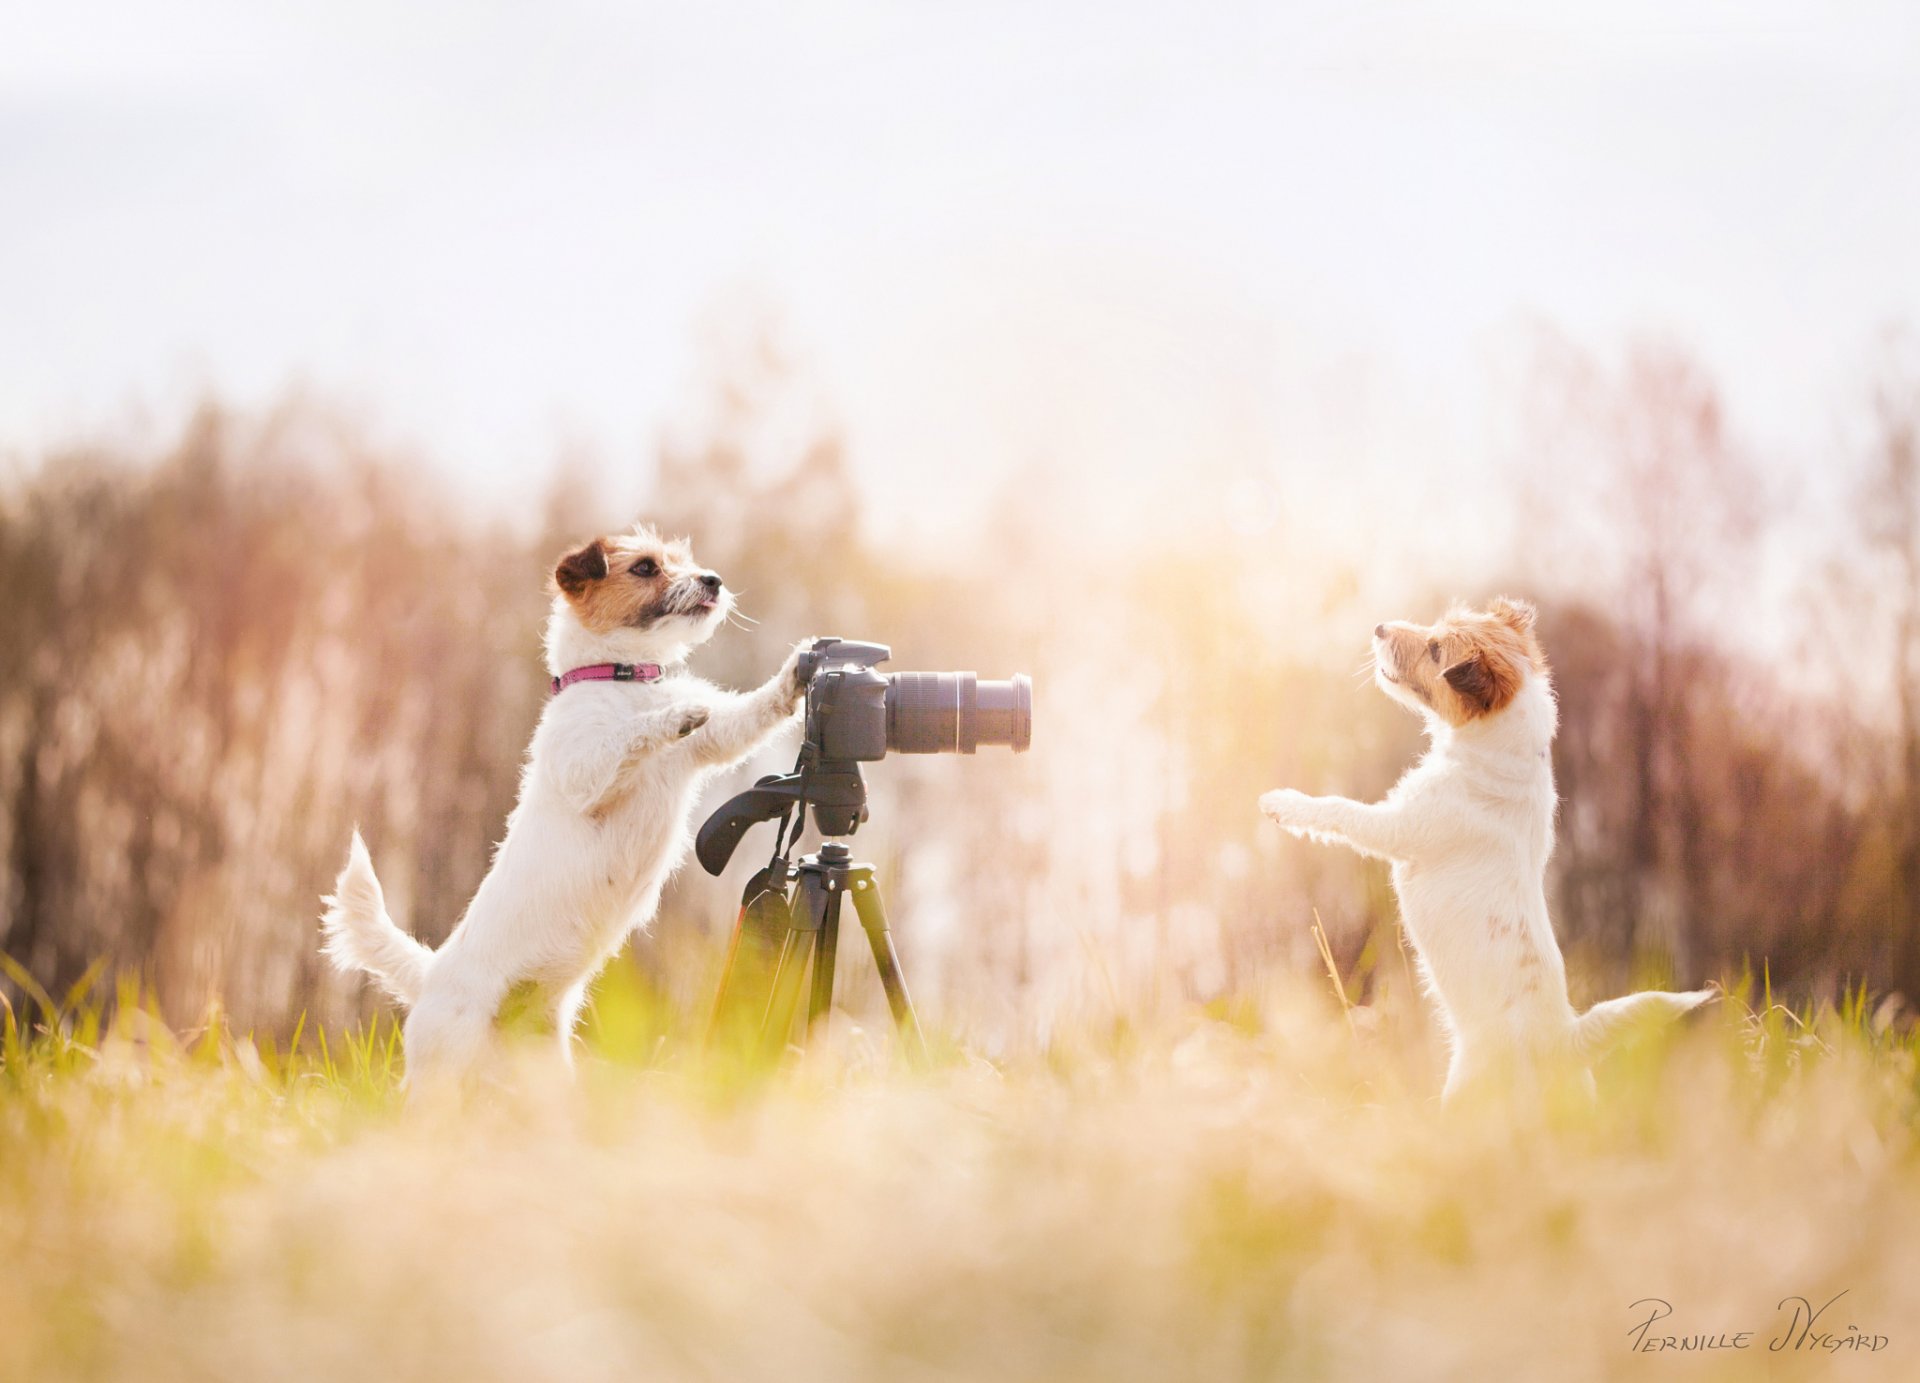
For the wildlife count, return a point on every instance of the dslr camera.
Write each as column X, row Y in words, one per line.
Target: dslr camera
column 855, row 714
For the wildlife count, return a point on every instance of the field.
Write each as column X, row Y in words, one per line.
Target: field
column 1264, row 1189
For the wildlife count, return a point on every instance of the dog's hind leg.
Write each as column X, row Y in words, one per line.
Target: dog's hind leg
column 449, row 1035
column 566, row 1015
column 1462, row 1071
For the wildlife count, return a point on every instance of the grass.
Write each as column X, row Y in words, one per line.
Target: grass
column 1263, row 1188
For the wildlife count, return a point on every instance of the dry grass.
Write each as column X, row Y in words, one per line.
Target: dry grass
column 1257, row 1190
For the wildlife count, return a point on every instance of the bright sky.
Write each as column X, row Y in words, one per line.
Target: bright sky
column 1111, row 239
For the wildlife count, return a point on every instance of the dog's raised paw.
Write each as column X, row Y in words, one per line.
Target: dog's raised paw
column 1280, row 803
column 693, row 720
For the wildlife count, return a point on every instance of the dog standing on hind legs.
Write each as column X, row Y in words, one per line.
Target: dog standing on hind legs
column 1468, row 832
column 611, row 777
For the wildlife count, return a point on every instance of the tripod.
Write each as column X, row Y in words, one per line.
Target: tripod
column 790, row 913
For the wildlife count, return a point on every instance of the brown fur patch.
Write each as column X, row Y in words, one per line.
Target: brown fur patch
column 1529, row 965
column 577, row 569
column 1483, row 683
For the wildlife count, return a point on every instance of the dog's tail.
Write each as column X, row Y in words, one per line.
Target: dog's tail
column 360, row 936
column 1595, row 1029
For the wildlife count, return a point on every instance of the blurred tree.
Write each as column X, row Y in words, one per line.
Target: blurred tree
column 1691, row 506
column 229, row 654
column 1889, row 518
column 1637, row 475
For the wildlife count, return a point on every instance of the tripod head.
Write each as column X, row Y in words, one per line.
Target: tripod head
column 838, row 674
column 833, row 788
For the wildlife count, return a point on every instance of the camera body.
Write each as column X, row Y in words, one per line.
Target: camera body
column 856, row 714
column 846, row 716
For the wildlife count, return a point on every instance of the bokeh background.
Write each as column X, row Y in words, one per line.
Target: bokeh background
column 1156, row 351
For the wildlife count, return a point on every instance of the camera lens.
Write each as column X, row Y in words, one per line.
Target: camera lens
column 956, row 713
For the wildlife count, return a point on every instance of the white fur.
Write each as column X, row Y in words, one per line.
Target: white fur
column 1468, row 831
column 610, row 781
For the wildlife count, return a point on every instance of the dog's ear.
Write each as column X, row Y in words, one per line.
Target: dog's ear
column 1473, row 679
column 1486, row 679
column 1520, row 614
column 578, row 569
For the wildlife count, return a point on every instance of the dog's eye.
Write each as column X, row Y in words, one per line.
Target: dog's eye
column 1433, row 649
column 646, row 566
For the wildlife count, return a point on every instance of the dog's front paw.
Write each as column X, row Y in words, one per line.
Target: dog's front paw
column 1285, row 805
column 796, row 673
column 693, row 720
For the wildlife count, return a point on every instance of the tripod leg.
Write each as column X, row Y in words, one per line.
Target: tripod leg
column 824, row 951
column 803, row 933
column 746, row 978
column 873, row 917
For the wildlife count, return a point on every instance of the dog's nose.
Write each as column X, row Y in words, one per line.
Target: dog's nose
column 711, row 581
column 1379, row 631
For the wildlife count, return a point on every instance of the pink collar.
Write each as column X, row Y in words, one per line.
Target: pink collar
column 607, row 672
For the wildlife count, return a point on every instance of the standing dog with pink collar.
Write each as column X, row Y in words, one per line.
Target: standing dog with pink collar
column 611, row 778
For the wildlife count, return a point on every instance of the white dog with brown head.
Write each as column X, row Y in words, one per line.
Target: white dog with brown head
column 611, row 777
column 1468, row 831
